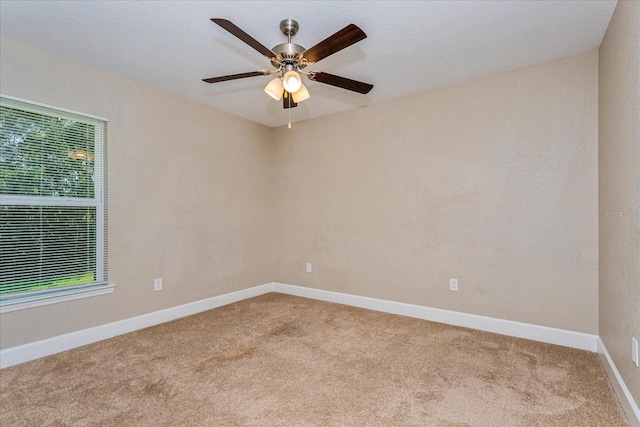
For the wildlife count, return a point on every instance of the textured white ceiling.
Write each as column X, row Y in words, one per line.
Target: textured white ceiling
column 412, row 46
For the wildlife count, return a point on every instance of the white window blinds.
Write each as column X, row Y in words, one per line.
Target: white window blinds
column 53, row 205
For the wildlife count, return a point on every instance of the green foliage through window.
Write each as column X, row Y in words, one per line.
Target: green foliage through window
column 45, row 156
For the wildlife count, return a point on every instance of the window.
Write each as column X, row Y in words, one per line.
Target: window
column 53, row 205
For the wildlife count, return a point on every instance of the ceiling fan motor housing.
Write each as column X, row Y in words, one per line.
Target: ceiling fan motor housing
column 289, row 53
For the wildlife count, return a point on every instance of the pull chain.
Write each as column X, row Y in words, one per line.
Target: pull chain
column 287, row 96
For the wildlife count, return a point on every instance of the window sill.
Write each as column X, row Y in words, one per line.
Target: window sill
column 31, row 301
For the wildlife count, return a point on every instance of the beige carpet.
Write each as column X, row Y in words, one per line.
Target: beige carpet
column 278, row 360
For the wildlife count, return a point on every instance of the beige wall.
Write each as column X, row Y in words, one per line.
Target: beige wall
column 619, row 189
column 493, row 182
column 190, row 191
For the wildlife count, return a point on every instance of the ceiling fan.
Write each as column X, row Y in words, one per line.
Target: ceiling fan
column 290, row 59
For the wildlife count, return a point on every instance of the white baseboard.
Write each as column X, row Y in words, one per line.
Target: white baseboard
column 529, row 331
column 624, row 395
column 24, row 353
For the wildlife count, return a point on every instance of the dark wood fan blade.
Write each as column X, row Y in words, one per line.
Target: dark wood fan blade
column 344, row 38
column 236, row 31
column 287, row 101
column 234, row 76
column 341, row 82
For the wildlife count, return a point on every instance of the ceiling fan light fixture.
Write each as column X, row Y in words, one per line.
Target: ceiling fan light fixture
column 301, row 95
column 292, row 81
column 275, row 89
column 289, row 59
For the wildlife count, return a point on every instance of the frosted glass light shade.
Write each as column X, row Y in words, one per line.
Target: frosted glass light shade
column 292, row 81
column 275, row 89
column 301, row 94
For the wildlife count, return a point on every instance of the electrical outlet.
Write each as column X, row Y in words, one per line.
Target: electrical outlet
column 453, row 284
column 157, row 285
column 634, row 352
column 308, row 267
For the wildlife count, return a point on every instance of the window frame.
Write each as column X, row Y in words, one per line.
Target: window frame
column 34, row 298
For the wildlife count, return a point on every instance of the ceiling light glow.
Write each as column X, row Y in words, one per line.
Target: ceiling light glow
column 292, row 81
